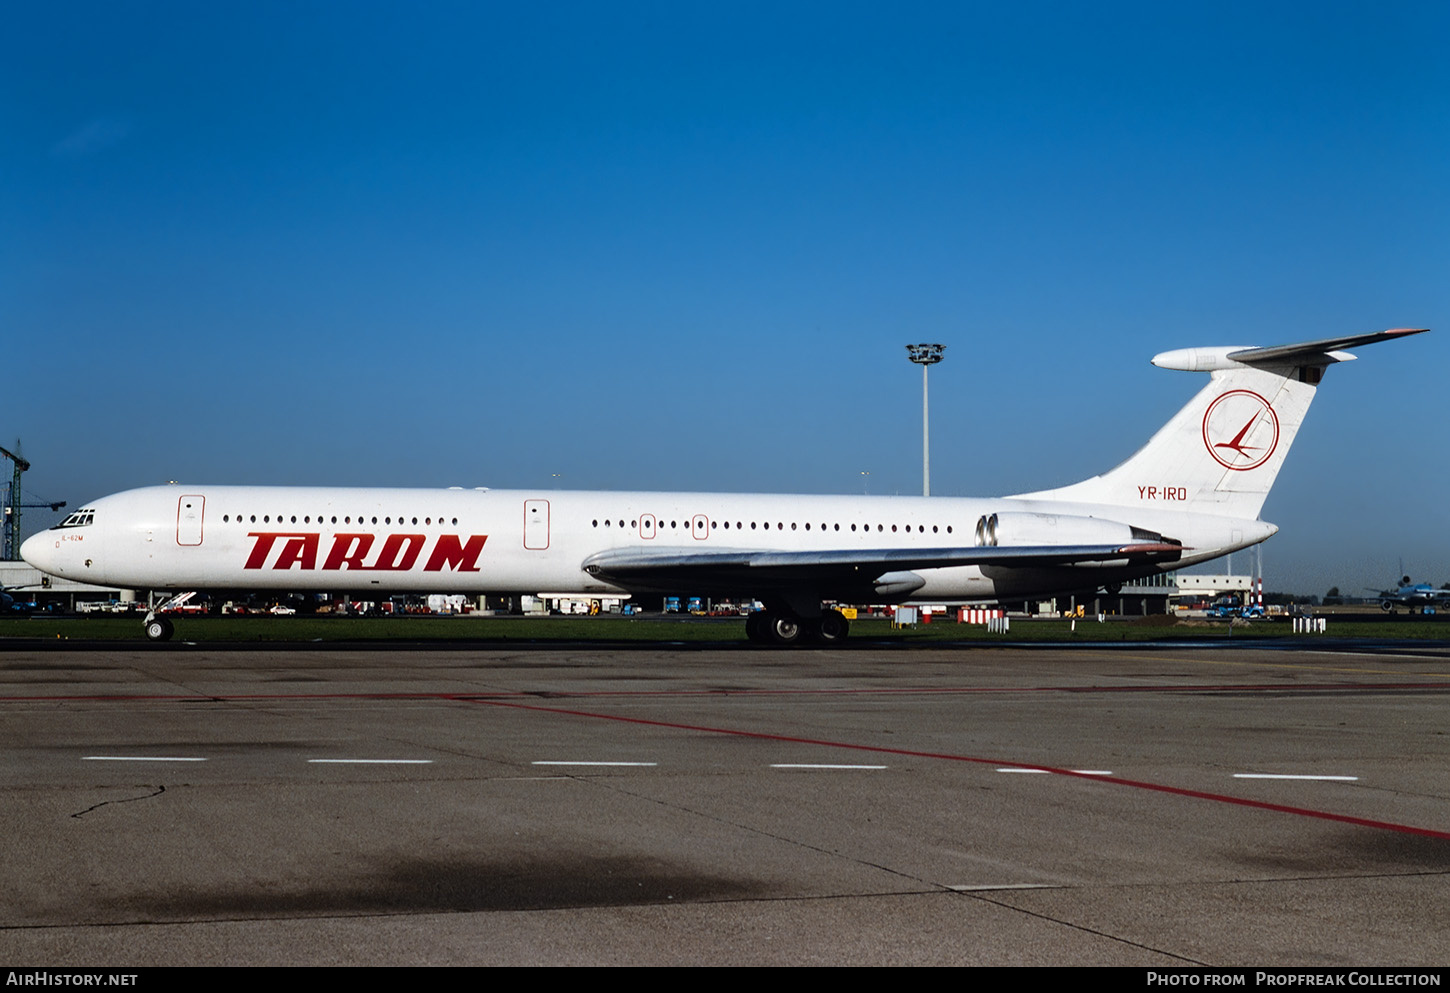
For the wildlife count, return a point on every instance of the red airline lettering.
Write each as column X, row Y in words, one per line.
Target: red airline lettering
column 460, row 558
column 388, row 558
column 343, row 554
column 263, row 546
column 301, row 550
column 399, row 552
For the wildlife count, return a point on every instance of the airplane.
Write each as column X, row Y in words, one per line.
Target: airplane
column 1191, row 494
column 1418, row 597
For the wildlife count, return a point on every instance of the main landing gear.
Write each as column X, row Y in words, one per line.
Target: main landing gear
column 783, row 630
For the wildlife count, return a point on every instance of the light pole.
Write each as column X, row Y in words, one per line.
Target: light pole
column 925, row 355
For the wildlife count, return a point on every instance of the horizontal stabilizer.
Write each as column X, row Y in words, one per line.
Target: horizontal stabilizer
column 1316, row 351
column 1324, row 352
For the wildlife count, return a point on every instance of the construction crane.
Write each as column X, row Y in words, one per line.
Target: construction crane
column 11, row 550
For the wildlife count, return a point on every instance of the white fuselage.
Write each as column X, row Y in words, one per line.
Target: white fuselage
column 183, row 537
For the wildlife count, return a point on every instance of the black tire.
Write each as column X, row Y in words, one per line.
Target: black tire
column 754, row 628
column 784, row 630
column 158, row 629
column 832, row 628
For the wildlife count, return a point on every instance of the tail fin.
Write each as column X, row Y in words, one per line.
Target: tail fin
column 1222, row 452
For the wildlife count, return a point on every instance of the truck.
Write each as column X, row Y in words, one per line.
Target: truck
column 1226, row 606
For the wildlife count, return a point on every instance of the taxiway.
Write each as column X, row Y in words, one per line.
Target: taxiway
column 1153, row 805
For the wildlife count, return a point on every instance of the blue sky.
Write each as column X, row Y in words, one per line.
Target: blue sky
column 671, row 245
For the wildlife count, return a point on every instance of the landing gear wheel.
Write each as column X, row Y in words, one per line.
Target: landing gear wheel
column 832, row 627
column 755, row 627
column 784, row 630
column 158, row 629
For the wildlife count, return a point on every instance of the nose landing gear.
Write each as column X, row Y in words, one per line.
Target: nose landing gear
column 158, row 628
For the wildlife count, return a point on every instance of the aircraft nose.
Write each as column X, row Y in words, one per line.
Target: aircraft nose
column 39, row 550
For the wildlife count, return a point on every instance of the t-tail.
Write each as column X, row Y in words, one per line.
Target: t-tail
column 1221, row 453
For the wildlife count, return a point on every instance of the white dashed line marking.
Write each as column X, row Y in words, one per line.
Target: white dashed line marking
column 626, row 764
column 370, row 761
column 1267, row 775
column 804, row 765
column 963, row 888
column 138, row 758
column 1049, row 772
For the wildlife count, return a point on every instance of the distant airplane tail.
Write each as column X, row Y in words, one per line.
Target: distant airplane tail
column 1222, row 452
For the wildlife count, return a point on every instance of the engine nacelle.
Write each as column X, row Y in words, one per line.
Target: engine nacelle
column 1012, row 529
column 897, row 585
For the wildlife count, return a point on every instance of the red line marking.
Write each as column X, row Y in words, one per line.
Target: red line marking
column 945, row 756
column 494, row 700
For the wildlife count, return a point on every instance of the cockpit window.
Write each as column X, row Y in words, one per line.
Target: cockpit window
column 79, row 519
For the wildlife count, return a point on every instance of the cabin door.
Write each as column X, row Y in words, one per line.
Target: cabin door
column 188, row 518
column 536, row 525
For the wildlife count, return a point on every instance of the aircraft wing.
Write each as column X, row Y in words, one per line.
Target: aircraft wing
column 745, row 570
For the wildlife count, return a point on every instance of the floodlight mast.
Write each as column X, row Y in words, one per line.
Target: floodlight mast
column 925, row 355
